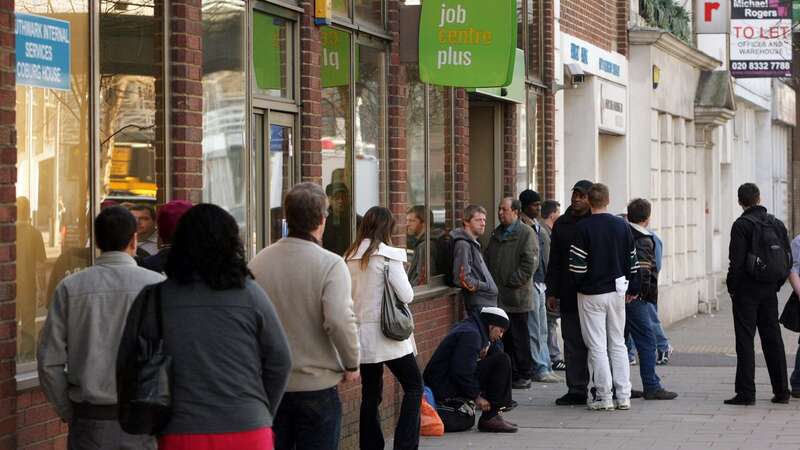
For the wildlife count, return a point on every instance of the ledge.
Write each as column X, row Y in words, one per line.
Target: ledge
column 670, row 44
column 428, row 293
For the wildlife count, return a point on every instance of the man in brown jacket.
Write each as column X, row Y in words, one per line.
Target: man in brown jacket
column 513, row 257
column 310, row 288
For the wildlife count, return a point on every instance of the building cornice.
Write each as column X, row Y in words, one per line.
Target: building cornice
column 668, row 43
column 712, row 115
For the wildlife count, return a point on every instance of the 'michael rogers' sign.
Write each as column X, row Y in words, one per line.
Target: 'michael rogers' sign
column 467, row 43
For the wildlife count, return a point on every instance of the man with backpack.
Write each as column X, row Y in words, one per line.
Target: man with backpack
column 469, row 271
column 760, row 261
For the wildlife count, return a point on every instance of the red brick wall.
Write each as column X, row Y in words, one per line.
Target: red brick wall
column 311, row 96
column 398, row 156
column 510, row 150
column 546, row 110
column 38, row 426
column 8, row 212
column 595, row 21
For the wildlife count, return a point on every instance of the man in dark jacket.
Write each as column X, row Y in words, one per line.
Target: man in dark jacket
column 755, row 304
column 463, row 367
column 638, row 318
column 562, row 294
column 469, row 268
column 512, row 257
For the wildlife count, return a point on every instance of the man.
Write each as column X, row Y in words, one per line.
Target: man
column 794, row 280
column 562, row 296
column 336, row 236
column 551, row 211
column 469, row 268
column 755, row 303
column 603, row 262
column 638, row 311
column 167, row 219
column 513, row 257
column 531, row 203
column 31, row 269
column 463, row 367
column 415, row 232
column 310, row 288
column 78, row 348
column 146, row 230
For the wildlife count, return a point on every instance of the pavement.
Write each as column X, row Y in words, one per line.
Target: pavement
column 701, row 371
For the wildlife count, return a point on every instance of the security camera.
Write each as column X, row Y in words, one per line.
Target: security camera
column 574, row 73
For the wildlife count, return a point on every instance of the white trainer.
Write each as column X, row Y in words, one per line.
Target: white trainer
column 601, row 405
column 624, row 404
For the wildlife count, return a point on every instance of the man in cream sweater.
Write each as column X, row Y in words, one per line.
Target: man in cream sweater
column 310, row 288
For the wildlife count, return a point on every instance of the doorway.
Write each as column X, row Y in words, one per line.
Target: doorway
column 485, row 151
column 274, row 142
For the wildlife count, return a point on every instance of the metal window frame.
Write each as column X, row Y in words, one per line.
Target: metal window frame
column 352, row 23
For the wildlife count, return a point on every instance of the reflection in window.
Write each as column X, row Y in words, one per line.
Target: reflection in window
column 129, row 61
column 438, row 146
column 370, row 11
column 369, row 124
column 52, row 177
column 341, row 7
column 535, row 41
column 281, row 141
column 335, row 142
column 224, row 106
column 523, row 170
column 272, row 55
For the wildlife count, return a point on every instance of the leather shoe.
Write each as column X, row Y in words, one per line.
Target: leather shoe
column 796, row 394
column 496, row 425
column 636, row 394
column 522, row 383
column 739, row 400
column 571, row 400
column 784, row 398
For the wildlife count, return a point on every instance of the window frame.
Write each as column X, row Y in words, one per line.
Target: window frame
column 533, row 77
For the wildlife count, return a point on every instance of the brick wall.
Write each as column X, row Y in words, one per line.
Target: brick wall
column 595, row 21
column 510, row 154
column 397, row 153
column 8, row 176
column 546, row 109
column 311, row 96
column 38, row 426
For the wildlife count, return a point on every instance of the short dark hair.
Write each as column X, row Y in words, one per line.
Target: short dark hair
column 207, row 245
column 749, row 195
column 471, row 210
column 419, row 211
column 147, row 208
column 598, row 195
column 639, row 210
column 305, row 206
column 549, row 207
column 114, row 228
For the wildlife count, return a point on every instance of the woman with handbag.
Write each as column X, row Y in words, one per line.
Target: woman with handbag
column 385, row 332
column 230, row 360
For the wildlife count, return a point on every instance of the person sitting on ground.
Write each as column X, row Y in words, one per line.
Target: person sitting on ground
column 463, row 367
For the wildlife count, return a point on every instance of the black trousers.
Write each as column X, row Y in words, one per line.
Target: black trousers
column 575, row 353
column 517, row 343
column 494, row 375
column 758, row 310
column 406, row 435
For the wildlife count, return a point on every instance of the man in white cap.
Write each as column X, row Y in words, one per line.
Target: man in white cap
column 463, row 366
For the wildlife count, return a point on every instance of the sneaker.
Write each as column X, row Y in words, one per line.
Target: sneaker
column 740, row 400
column 559, row 365
column 661, row 394
column 522, row 383
column 662, row 358
column 571, row 400
column 624, row 404
column 548, row 377
column 633, row 361
column 601, row 405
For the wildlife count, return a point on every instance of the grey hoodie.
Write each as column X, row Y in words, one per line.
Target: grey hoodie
column 478, row 286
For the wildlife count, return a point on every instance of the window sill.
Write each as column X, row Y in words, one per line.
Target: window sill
column 27, row 380
column 427, row 293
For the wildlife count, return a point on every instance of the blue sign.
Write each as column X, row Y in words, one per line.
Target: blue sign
column 609, row 67
column 43, row 52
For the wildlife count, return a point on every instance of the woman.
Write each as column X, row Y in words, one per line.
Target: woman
column 365, row 259
column 230, row 357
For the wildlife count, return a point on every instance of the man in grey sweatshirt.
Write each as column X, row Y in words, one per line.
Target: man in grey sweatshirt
column 469, row 269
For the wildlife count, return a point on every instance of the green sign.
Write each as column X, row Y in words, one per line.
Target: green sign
column 335, row 57
column 795, row 13
column 467, row 43
column 515, row 91
column 267, row 50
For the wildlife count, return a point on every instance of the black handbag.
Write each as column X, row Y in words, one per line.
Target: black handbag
column 790, row 317
column 457, row 414
column 397, row 323
column 148, row 409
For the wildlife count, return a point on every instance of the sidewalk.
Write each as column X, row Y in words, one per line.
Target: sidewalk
column 701, row 371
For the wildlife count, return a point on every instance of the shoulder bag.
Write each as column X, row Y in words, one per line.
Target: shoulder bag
column 397, row 323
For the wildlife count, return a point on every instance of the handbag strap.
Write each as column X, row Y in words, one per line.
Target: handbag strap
column 153, row 301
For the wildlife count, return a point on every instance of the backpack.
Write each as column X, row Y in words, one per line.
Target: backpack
column 445, row 251
column 769, row 259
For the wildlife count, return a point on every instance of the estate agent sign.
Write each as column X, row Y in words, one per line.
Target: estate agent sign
column 761, row 38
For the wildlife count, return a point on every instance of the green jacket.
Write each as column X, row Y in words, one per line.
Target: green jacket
column 512, row 259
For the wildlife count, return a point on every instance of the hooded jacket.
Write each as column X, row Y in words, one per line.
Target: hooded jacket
column 478, row 286
column 452, row 370
column 645, row 243
column 559, row 280
column 513, row 257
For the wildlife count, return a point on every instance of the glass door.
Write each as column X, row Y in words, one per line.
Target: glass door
column 274, row 141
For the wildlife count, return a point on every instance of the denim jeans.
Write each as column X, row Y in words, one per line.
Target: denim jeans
column 538, row 331
column 662, row 343
column 308, row 421
column 640, row 326
column 406, row 435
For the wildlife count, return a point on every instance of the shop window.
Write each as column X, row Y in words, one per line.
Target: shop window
column 53, row 148
column 427, row 113
column 529, row 36
column 369, row 128
column 224, row 107
column 370, row 12
column 341, row 7
column 523, row 178
column 273, row 53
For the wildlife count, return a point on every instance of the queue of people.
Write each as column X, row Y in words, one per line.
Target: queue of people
column 258, row 350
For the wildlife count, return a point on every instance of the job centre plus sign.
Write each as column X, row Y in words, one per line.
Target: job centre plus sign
column 467, row 43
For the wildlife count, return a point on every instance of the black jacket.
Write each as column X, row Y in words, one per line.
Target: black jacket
column 739, row 281
column 560, row 282
column 453, row 368
column 603, row 251
column 646, row 255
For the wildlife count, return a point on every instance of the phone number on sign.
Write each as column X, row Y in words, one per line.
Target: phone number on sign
column 762, row 65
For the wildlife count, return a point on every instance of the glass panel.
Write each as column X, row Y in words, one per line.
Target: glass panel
column 257, row 136
column 438, row 141
column 224, row 107
column 523, row 174
column 416, row 219
column 52, row 167
column 369, row 128
column 521, row 23
column 535, row 42
column 370, row 11
column 272, row 55
column 335, row 141
column 341, row 8
column 280, row 151
column 536, row 158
